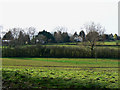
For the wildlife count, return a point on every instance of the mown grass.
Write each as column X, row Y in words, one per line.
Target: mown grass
column 45, row 73
column 61, row 61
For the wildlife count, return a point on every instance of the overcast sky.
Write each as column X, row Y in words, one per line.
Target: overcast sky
column 48, row 14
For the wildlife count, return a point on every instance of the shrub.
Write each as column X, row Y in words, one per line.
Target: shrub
column 59, row 52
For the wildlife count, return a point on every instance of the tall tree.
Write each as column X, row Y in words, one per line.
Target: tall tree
column 8, row 36
column 27, row 39
column 21, row 38
column 58, row 37
column 48, row 35
column 31, row 32
column 16, row 32
column 93, row 32
column 60, row 33
column 82, row 34
column 61, row 29
column 65, row 37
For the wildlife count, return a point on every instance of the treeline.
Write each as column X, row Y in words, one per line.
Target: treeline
column 18, row 36
column 59, row 52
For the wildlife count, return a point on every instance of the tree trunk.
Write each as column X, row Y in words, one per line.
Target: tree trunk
column 92, row 52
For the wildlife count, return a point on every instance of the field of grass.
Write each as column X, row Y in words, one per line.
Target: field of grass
column 107, row 43
column 112, row 42
column 111, row 47
column 60, row 73
column 98, row 43
column 78, row 44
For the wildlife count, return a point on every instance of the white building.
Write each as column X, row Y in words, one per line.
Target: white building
column 78, row 39
column 6, row 40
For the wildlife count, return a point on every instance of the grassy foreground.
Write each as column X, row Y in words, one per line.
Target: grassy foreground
column 60, row 73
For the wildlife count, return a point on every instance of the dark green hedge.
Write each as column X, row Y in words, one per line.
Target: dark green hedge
column 59, row 52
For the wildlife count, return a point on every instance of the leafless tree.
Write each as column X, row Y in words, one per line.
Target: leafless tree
column 61, row 29
column 15, row 32
column 59, row 33
column 31, row 32
column 93, row 32
column 58, row 37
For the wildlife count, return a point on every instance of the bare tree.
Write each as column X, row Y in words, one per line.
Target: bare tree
column 59, row 34
column 61, row 29
column 15, row 32
column 58, row 37
column 21, row 38
column 93, row 32
column 31, row 32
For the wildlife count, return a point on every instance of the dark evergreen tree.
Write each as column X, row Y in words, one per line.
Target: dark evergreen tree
column 48, row 35
column 8, row 36
column 27, row 39
column 65, row 36
column 82, row 34
column 21, row 38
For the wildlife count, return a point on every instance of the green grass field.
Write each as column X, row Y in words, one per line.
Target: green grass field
column 60, row 73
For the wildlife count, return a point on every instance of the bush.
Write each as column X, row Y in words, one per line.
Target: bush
column 59, row 52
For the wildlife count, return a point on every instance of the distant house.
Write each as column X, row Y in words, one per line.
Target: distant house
column 6, row 41
column 40, row 41
column 108, row 37
column 78, row 39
